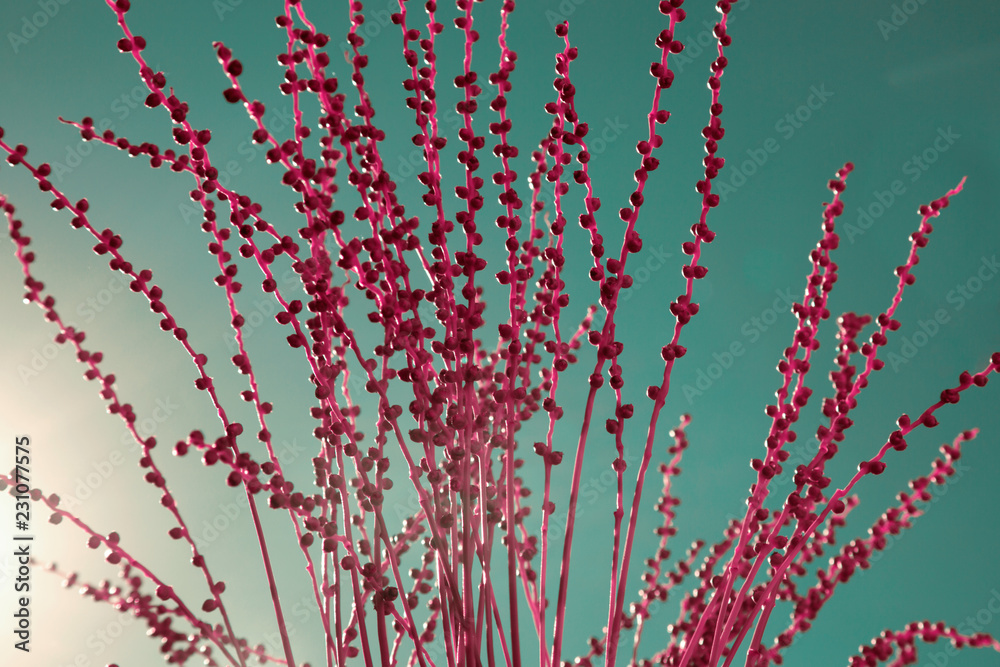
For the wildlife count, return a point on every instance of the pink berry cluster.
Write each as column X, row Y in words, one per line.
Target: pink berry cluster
column 459, row 581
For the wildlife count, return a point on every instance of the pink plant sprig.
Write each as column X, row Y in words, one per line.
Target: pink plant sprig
column 552, row 457
column 564, row 111
column 204, row 381
column 654, row 590
column 233, row 71
column 683, row 308
column 357, row 81
column 377, row 388
column 902, row 643
column 607, row 347
column 412, row 529
column 873, row 466
column 694, row 602
column 802, row 510
column 108, row 243
column 839, row 422
column 966, row 380
column 197, row 359
column 849, row 325
column 845, row 402
column 392, row 418
column 216, row 248
column 157, row 615
column 197, row 140
column 858, row 552
column 116, row 554
column 839, row 419
column 813, row 550
column 550, row 300
column 639, row 612
column 206, row 179
column 228, row 68
column 838, row 412
column 784, row 413
column 516, row 276
column 512, row 221
column 422, row 84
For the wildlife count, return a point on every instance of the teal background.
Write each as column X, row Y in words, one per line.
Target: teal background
column 893, row 91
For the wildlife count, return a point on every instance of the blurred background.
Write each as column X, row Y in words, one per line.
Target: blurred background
column 906, row 90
